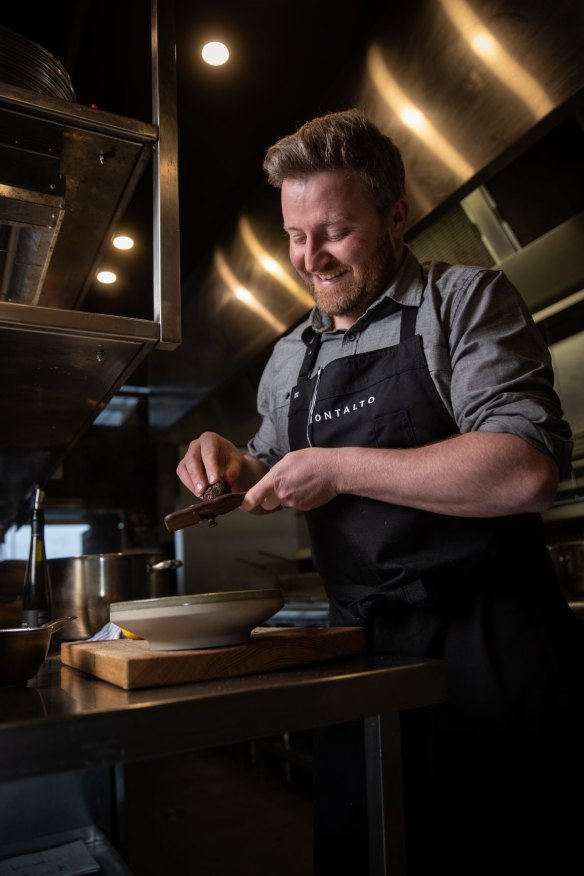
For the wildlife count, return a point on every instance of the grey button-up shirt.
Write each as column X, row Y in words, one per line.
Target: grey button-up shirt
column 486, row 357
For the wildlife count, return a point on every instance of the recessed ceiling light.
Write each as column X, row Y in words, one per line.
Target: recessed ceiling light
column 122, row 241
column 106, row 277
column 215, row 54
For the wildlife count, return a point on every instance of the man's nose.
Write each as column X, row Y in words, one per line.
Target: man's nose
column 314, row 254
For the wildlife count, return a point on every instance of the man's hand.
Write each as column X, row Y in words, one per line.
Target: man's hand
column 211, row 458
column 303, row 479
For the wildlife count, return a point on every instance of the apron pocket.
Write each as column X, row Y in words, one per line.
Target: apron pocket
column 394, row 429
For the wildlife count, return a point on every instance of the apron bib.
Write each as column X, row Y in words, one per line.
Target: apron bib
column 373, row 555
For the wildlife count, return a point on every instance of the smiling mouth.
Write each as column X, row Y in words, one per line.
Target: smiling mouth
column 331, row 275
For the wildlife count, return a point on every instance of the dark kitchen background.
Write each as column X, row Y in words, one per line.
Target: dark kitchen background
column 99, row 399
column 485, row 98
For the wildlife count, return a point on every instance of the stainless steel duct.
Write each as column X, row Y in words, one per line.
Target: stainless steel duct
column 466, row 88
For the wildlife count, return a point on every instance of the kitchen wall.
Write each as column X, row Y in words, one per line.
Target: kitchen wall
column 242, row 551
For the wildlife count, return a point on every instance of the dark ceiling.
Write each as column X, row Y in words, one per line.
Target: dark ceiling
column 286, row 65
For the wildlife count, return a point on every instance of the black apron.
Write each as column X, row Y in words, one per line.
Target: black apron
column 479, row 593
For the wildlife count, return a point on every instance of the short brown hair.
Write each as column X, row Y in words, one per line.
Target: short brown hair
column 344, row 139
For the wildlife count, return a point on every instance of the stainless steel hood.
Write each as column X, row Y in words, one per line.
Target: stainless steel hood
column 463, row 85
column 467, row 88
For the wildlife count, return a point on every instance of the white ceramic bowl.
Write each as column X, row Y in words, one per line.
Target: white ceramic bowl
column 198, row 620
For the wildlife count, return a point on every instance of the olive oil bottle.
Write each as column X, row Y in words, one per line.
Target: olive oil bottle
column 36, row 599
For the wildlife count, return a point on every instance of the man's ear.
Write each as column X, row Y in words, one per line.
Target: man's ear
column 398, row 217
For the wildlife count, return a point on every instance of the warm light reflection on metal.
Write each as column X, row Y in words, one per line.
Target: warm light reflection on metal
column 244, row 295
column 499, row 61
column 483, row 45
column 569, row 301
column 413, row 117
column 271, row 265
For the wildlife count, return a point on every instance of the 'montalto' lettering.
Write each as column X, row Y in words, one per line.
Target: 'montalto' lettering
column 335, row 413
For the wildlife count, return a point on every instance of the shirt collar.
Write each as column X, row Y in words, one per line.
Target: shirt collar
column 405, row 288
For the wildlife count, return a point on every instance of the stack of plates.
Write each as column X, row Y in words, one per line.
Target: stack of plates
column 26, row 64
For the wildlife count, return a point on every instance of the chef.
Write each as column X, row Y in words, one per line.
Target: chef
column 412, row 416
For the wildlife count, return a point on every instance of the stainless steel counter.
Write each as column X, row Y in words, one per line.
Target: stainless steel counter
column 67, row 721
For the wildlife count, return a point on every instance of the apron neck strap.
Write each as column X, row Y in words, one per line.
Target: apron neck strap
column 408, row 322
column 313, row 339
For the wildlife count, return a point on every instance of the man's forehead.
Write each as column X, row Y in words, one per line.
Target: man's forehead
column 332, row 196
column 338, row 218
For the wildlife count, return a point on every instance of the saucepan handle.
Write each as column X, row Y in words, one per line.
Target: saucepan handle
column 162, row 565
column 59, row 622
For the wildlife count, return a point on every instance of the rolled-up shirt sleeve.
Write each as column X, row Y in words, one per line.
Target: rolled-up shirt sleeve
column 502, row 378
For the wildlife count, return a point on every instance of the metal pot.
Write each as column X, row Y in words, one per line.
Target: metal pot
column 23, row 650
column 85, row 586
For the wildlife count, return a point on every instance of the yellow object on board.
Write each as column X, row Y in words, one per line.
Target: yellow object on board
column 128, row 635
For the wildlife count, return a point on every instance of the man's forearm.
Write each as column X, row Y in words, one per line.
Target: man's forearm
column 478, row 474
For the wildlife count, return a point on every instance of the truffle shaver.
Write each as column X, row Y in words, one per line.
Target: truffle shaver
column 203, row 511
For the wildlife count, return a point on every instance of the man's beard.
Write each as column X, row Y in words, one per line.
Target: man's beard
column 352, row 294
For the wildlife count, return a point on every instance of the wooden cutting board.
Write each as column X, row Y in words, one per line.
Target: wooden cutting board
column 131, row 664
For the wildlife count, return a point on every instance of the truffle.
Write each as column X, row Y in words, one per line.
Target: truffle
column 215, row 490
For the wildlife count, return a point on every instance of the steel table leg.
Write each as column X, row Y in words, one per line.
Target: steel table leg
column 385, row 795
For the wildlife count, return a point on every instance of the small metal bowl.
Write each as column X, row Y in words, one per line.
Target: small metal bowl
column 23, row 650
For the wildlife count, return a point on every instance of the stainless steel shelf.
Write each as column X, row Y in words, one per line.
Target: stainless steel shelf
column 96, row 160
column 72, row 173
column 59, row 369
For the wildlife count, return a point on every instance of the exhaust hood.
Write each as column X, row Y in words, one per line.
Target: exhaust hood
column 468, row 89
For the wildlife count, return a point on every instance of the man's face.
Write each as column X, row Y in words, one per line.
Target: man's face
column 341, row 248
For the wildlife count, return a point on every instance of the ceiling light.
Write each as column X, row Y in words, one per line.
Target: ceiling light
column 106, row 277
column 215, row 54
column 122, row 241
